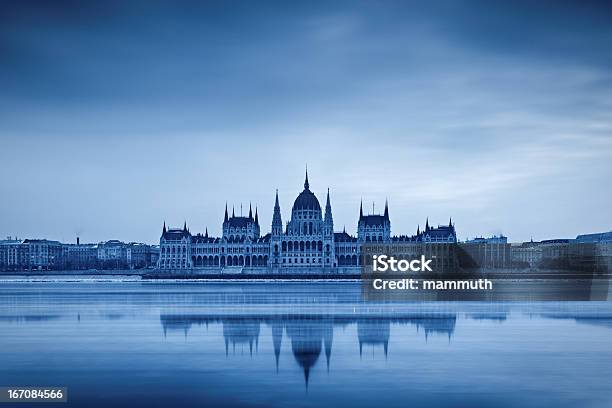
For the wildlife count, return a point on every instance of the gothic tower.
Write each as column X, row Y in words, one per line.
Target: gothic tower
column 328, row 234
column 276, row 235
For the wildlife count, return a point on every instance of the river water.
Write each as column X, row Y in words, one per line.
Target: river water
column 297, row 344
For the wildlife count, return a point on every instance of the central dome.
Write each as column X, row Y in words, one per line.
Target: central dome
column 306, row 200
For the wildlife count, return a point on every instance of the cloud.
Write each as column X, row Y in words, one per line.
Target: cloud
column 488, row 112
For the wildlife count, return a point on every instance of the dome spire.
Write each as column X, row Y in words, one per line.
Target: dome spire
column 306, row 185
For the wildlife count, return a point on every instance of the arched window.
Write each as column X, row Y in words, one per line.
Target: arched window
column 284, row 246
column 307, row 245
column 320, row 245
column 301, row 246
column 290, row 246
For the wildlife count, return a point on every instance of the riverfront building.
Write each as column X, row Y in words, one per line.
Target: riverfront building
column 306, row 242
column 48, row 255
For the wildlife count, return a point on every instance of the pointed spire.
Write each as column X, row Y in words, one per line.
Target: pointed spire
column 225, row 219
column 250, row 211
column 185, row 227
column 329, row 220
column 361, row 210
column 450, row 222
column 233, row 212
column 306, row 185
column 164, row 230
column 277, row 222
column 256, row 216
column 387, row 209
column 427, row 224
column 418, row 230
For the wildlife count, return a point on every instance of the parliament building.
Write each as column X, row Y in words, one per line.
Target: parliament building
column 306, row 243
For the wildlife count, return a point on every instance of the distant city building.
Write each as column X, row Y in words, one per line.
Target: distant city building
column 112, row 255
column 495, row 239
column 595, row 238
column 46, row 255
column 43, row 254
column 80, row 256
column 139, row 256
column 307, row 240
column 12, row 254
column 526, row 254
column 492, row 252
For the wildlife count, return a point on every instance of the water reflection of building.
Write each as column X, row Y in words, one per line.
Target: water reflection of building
column 306, row 339
column 240, row 331
column 373, row 333
column 435, row 324
column 277, row 340
column 310, row 335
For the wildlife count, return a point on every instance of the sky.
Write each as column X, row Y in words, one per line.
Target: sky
column 116, row 116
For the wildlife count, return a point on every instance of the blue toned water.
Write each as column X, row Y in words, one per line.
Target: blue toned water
column 298, row 345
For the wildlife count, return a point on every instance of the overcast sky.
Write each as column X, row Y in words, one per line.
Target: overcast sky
column 116, row 116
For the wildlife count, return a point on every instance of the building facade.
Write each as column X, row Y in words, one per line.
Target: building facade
column 490, row 252
column 307, row 242
column 48, row 255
